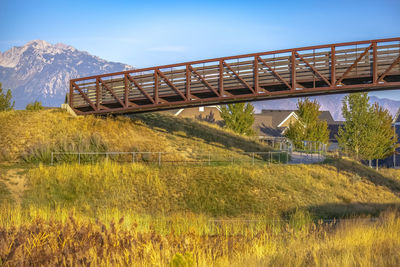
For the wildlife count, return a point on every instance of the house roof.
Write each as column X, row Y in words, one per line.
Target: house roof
column 280, row 115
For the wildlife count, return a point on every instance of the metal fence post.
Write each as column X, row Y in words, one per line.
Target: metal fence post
column 253, row 158
column 51, row 158
column 287, row 157
column 159, row 158
column 209, row 158
column 133, row 157
column 279, row 157
column 79, row 158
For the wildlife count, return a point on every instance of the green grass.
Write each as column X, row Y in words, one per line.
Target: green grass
column 233, row 191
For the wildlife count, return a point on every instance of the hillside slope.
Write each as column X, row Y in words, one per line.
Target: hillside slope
column 334, row 189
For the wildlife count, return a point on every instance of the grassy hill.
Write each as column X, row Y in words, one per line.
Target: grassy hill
column 336, row 188
column 113, row 213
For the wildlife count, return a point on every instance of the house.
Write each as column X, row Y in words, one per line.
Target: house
column 210, row 113
column 273, row 123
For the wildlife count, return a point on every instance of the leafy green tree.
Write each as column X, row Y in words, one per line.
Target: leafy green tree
column 382, row 137
column 353, row 137
column 368, row 132
column 34, row 106
column 308, row 127
column 239, row 117
column 5, row 100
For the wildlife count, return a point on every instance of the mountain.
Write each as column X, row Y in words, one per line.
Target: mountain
column 333, row 103
column 41, row 71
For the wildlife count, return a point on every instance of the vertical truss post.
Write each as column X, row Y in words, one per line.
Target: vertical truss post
column 71, row 95
column 126, row 90
column 293, row 70
column 374, row 64
column 221, row 79
column 97, row 94
column 188, row 80
column 333, row 65
column 156, row 101
column 255, row 72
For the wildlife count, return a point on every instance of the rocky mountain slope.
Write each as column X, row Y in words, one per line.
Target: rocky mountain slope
column 41, row 71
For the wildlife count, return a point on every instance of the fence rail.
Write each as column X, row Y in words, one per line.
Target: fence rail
column 159, row 158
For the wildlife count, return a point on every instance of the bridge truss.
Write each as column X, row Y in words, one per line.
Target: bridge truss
column 306, row 71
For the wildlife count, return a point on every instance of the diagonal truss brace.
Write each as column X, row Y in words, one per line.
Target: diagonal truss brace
column 274, row 73
column 84, row 96
column 353, row 65
column 111, row 91
column 389, row 69
column 201, row 78
column 130, row 78
column 313, row 68
column 171, row 84
column 238, row 77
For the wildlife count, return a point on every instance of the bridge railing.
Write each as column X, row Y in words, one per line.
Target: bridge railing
column 307, row 70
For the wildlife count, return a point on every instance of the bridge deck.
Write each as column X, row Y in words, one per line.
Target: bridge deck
column 324, row 69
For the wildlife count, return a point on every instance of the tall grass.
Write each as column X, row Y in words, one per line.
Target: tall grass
column 182, row 241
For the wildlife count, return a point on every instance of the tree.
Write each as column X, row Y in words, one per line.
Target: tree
column 308, row 126
column 239, row 117
column 353, row 137
column 5, row 100
column 382, row 137
column 368, row 132
column 34, row 106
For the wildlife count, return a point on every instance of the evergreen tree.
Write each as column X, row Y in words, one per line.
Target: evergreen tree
column 5, row 100
column 308, row 127
column 239, row 117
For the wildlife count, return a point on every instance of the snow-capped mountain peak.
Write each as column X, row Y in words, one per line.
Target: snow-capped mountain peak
column 41, row 71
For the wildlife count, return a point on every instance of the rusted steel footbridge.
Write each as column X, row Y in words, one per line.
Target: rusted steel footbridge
column 314, row 70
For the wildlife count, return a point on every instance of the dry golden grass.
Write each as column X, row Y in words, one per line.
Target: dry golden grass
column 39, row 132
column 76, row 241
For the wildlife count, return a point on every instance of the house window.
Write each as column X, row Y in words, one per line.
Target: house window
column 201, row 109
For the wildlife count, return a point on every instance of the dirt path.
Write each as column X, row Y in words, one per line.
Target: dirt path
column 306, row 158
column 14, row 179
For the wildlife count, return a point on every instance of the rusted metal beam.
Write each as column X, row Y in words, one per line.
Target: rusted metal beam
column 71, row 94
column 389, row 69
column 188, row 81
column 171, row 84
column 238, row 57
column 156, row 98
column 276, row 74
column 353, row 65
column 126, row 90
column 112, row 92
column 313, row 69
column 374, row 63
column 97, row 93
column 255, row 75
column 333, row 65
column 221, row 78
column 140, row 88
column 204, row 81
column 293, row 70
column 238, row 77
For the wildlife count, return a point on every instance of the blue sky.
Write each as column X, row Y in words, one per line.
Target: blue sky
column 147, row 33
